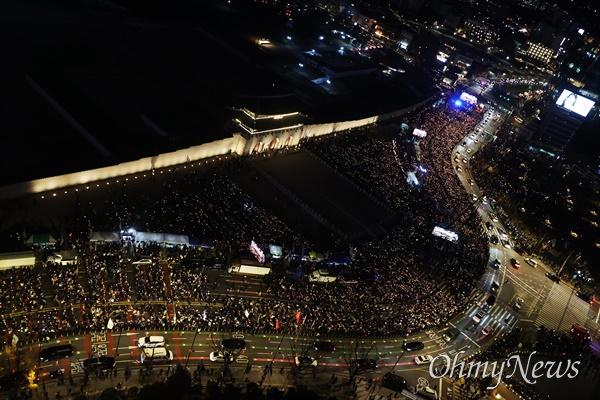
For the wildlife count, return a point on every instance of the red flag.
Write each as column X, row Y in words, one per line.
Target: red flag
column 298, row 317
column 277, row 324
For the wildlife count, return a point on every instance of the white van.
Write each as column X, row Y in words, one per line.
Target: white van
column 531, row 262
column 321, row 276
column 427, row 393
column 156, row 354
column 151, row 341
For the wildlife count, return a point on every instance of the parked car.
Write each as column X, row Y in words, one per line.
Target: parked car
column 424, row 359
column 101, row 363
column 233, row 344
column 156, row 355
column 496, row 264
column 305, row 361
column 478, row 317
column 324, row 346
column 219, row 356
column 366, row 364
column 413, row 346
column 580, row 333
column 151, row 341
column 519, row 302
column 56, row 352
column 394, row 382
column 531, row 262
column 451, row 334
column 553, row 277
column 486, row 331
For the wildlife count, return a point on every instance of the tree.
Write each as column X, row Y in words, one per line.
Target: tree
column 179, row 383
column 155, row 391
column 111, row 394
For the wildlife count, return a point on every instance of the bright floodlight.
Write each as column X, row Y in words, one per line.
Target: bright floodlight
column 458, row 103
column 575, row 102
column 464, row 96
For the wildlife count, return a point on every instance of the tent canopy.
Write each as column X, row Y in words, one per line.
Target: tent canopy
column 40, row 239
column 104, row 237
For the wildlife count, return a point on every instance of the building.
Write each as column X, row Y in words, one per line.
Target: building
column 531, row 4
column 480, row 32
column 539, row 52
column 560, row 121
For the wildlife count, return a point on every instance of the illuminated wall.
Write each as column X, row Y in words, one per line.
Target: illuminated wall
column 237, row 144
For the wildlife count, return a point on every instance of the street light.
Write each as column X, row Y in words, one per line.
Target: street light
column 187, row 359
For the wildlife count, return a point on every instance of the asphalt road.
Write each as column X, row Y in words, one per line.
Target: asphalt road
column 526, row 282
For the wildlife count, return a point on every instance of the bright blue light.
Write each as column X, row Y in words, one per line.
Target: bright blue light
column 457, row 103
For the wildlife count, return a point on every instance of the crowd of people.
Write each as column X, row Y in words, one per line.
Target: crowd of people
column 21, row 290
column 189, row 284
column 409, row 280
column 202, row 203
column 107, row 275
column 65, row 284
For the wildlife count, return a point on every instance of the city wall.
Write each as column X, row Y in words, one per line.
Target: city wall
column 237, row 144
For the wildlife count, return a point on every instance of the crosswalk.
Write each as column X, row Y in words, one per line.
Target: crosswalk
column 498, row 319
column 562, row 309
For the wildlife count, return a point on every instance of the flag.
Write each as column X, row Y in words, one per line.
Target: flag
column 246, row 313
column 257, row 252
column 110, row 324
column 298, row 317
column 277, row 324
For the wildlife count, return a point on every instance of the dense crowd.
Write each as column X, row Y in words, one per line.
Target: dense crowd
column 107, row 275
column 21, row 290
column 409, row 280
column 65, row 283
column 189, row 284
column 203, row 204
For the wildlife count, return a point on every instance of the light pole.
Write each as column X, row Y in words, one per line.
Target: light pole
column 187, row 359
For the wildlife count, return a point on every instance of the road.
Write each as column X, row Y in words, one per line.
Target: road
column 545, row 303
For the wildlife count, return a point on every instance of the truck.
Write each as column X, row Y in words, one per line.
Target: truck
column 321, row 276
column 244, row 269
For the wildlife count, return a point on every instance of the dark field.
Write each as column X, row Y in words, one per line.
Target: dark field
column 90, row 83
column 348, row 209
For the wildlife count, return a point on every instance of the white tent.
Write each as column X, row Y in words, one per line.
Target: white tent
column 168, row 238
column 104, row 237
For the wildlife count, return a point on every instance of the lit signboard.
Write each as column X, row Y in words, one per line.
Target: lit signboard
column 419, row 133
column 575, row 103
column 466, row 97
column 445, row 234
column 443, row 57
column 257, row 252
